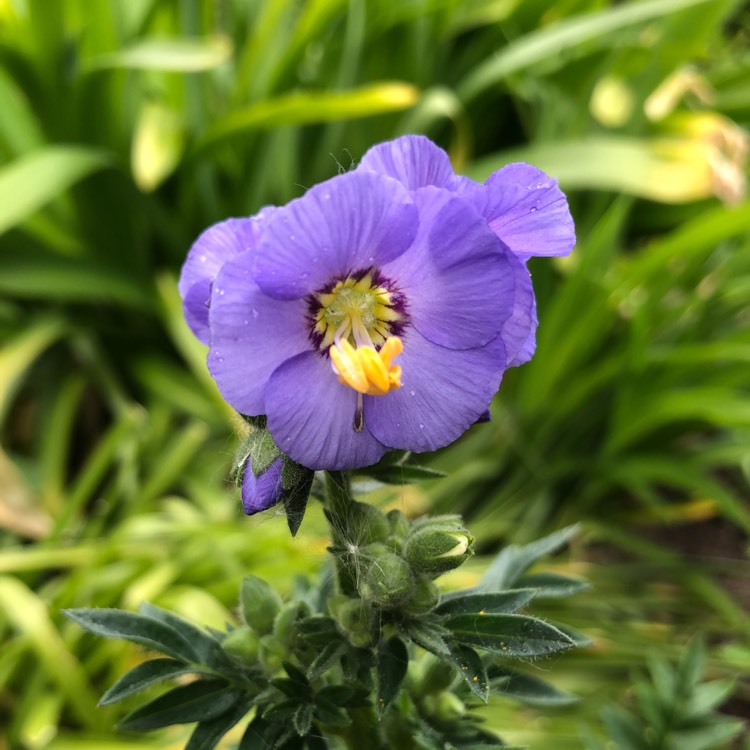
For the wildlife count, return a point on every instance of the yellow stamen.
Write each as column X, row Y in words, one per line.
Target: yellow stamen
column 365, row 370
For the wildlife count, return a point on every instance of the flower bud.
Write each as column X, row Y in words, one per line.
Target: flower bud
column 387, row 580
column 438, row 545
column 264, row 491
column 272, row 653
column 284, row 626
column 259, row 604
column 241, row 645
column 366, row 524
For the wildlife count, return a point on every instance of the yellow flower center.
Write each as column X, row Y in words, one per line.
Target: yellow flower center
column 355, row 321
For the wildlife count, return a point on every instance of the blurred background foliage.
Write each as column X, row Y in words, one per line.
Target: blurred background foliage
column 128, row 126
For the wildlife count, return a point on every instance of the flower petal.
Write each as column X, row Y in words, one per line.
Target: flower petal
column 218, row 244
column 251, row 335
column 519, row 330
column 352, row 222
column 311, row 416
column 413, row 160
column 444, row 392
column 529, row 212
column 458, row 278
column 263, row 492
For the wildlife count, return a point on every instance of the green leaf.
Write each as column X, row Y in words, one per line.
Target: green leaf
column 33, row 180
column 527, row 689
column 145, row 631
column 260, row 735
column 302, row 719
column 144, row 675
column 501, row 601
column 205, row 646
column 553, row 585
column 208, row 733
column 428, row 634
column 513, row 636
column 176, row 55
column 53, row 278
column 514, row 560
column 393, row 661
column 401, row 473
column 550, row 43
column 470, row 665
column 302, row 107
column 325, row 657
column 201, row 700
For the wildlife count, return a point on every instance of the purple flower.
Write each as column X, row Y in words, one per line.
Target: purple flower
column 378, row 311
column 262, row 492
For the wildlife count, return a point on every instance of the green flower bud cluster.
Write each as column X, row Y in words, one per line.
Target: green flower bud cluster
column 266, row 636
column 395, row 567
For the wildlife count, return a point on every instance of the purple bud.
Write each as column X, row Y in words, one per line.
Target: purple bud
column 263, row 492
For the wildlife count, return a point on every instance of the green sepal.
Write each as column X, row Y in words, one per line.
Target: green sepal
column 296, row 481
column 527, row 689
column 393, row 661
column 197, row 701
column 145, row 675
column 141, row 629
column 512, row 636
column 474, row 603
column 327, row 655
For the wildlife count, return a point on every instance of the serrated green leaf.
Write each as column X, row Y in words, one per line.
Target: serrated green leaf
column 208, row 733
column 281, row 712
column 393, row 661
column 515, row 560
column 201, row 700
column 302, row 719
column 553, row 585
column 145, row 631
column 470, row 665
column 513, row 636
column 527, row 689
column 144, row 675
column 473, row 603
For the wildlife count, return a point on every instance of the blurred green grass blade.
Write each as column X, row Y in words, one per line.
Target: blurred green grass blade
column 551, row 43
column 45, row 277
column 303, row 107
column 172, row 55
column 31, row 181
column 19, row 353
column 24, row 611
column 670, row 171
column 20, row 130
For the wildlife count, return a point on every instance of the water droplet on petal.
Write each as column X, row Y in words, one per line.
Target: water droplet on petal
column 412, row 392
column 533, row 208
column 255, row 313
column 421, row 426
